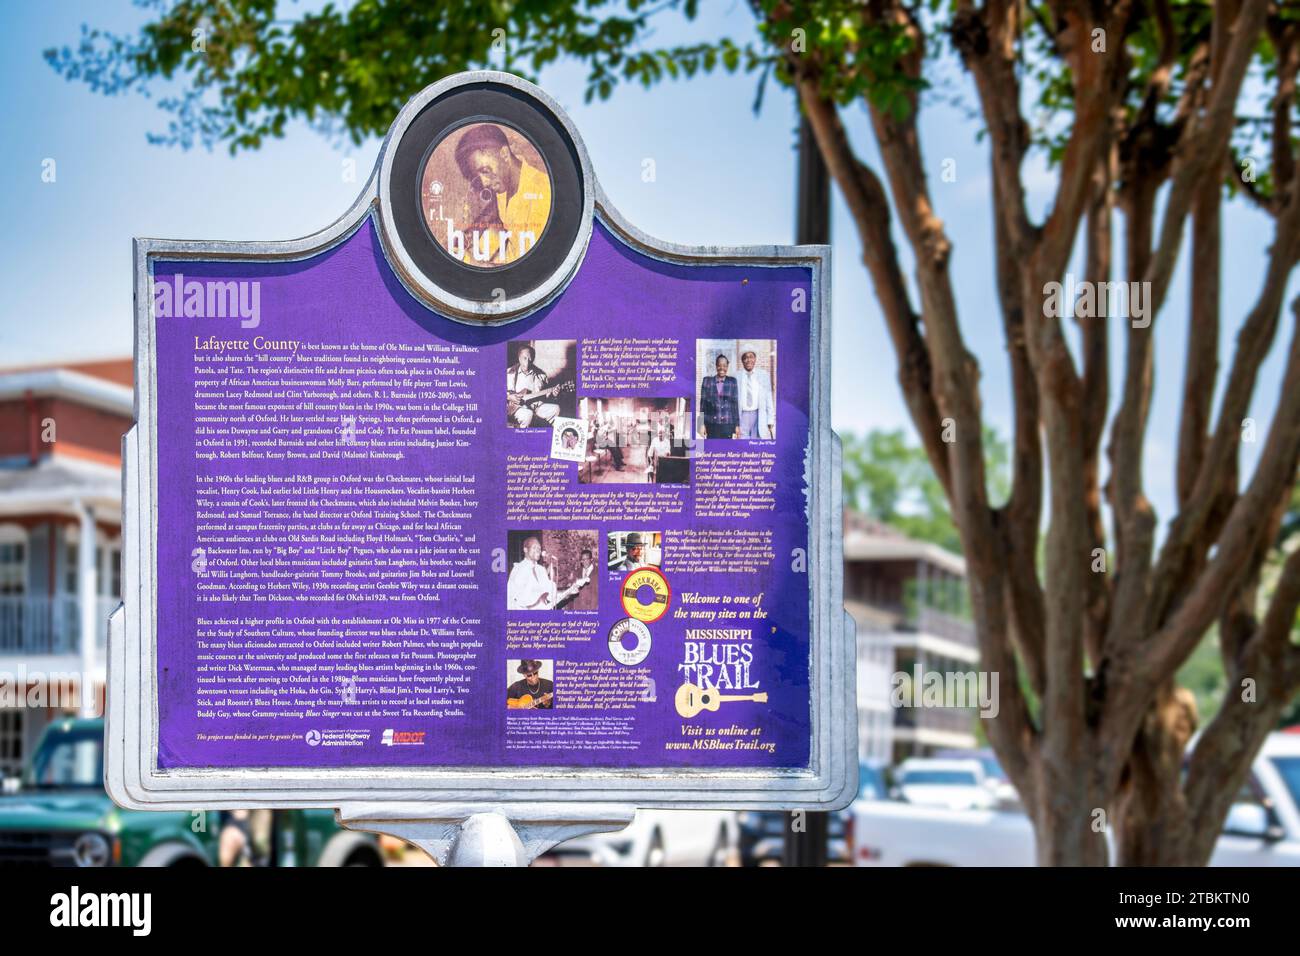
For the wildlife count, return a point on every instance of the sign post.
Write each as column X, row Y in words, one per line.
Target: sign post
column 480, row 515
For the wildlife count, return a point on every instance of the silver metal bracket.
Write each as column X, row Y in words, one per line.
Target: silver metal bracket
column 473, row 835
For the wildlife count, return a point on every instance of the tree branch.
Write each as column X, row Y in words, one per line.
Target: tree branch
column 1204, row 140
column 1254, row 342
column 865, row 197
column 1249, row 518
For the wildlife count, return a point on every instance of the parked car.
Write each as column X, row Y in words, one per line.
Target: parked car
column 955, row 784
column 660, row 838
column 762, row 832
column 58, row 814
column 1262, row 827
column 995, row 778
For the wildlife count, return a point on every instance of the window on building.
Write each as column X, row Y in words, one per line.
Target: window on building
column 110, row 570
column 13, row 565
column 70, row 566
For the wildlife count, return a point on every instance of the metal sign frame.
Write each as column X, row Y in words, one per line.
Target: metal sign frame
column 561, row 801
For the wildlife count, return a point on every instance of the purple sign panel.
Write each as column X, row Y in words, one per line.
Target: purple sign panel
column 484, row 491
column 389, row 537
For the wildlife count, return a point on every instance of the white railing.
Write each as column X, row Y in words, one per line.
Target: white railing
column 48, row 625
column 941, row 624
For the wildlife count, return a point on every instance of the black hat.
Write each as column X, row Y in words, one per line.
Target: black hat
column 483, row 136
column 529, row 667
column 634, row 540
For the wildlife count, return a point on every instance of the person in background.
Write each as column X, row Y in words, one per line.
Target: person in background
column 659, row 448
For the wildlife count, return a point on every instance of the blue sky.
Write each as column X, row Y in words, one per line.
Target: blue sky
column 724, row 175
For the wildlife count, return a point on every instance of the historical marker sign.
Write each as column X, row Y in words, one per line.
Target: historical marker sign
column 481, row 495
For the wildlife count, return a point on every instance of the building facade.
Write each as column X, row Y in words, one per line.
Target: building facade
column 60, row 541
column 908, row 600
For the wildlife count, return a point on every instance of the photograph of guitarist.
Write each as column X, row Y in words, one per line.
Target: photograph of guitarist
column 532, row 587
column 530, row 393
column 534, row 692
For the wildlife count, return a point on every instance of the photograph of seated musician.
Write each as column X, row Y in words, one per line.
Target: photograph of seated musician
column 532, row 691
column 539, row 381
column 551, row 570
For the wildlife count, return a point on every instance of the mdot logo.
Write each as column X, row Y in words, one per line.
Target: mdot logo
column 75, row 908
column 399, row 738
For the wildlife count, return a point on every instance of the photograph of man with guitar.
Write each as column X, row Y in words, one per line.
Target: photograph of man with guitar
column 533, row 691
column 535, row 398
column 534, row 579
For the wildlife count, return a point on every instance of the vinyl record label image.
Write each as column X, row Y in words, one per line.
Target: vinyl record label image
column 646, row 595
column 629, row 641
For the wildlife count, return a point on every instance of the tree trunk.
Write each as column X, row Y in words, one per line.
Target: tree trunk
column 1150, row 813
column 1069, row 827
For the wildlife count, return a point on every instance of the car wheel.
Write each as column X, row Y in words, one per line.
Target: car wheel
column 171, row 855
column 349, row 849
column 655, row 855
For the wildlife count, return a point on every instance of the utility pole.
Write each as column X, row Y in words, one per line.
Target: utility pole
column 812, row 215
column 806, row 831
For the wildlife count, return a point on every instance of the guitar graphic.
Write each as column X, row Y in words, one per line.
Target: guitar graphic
column 529, row 702
column 691, row 700
column 518, row 400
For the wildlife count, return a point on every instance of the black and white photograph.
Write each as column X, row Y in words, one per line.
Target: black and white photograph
column 540, row 381
column 551, row 570
column 637, row 441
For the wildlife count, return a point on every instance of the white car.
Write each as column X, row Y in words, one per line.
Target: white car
column 1262, row 828
column 661, row 838
column 951, row 784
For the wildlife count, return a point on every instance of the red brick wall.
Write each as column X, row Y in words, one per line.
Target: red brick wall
column 79, row 431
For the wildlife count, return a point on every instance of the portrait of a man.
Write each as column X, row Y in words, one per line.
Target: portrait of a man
column 532, row 691
column 487, row 195
column 757, row 414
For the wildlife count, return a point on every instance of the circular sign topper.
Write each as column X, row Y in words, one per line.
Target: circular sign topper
column 486, row 197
